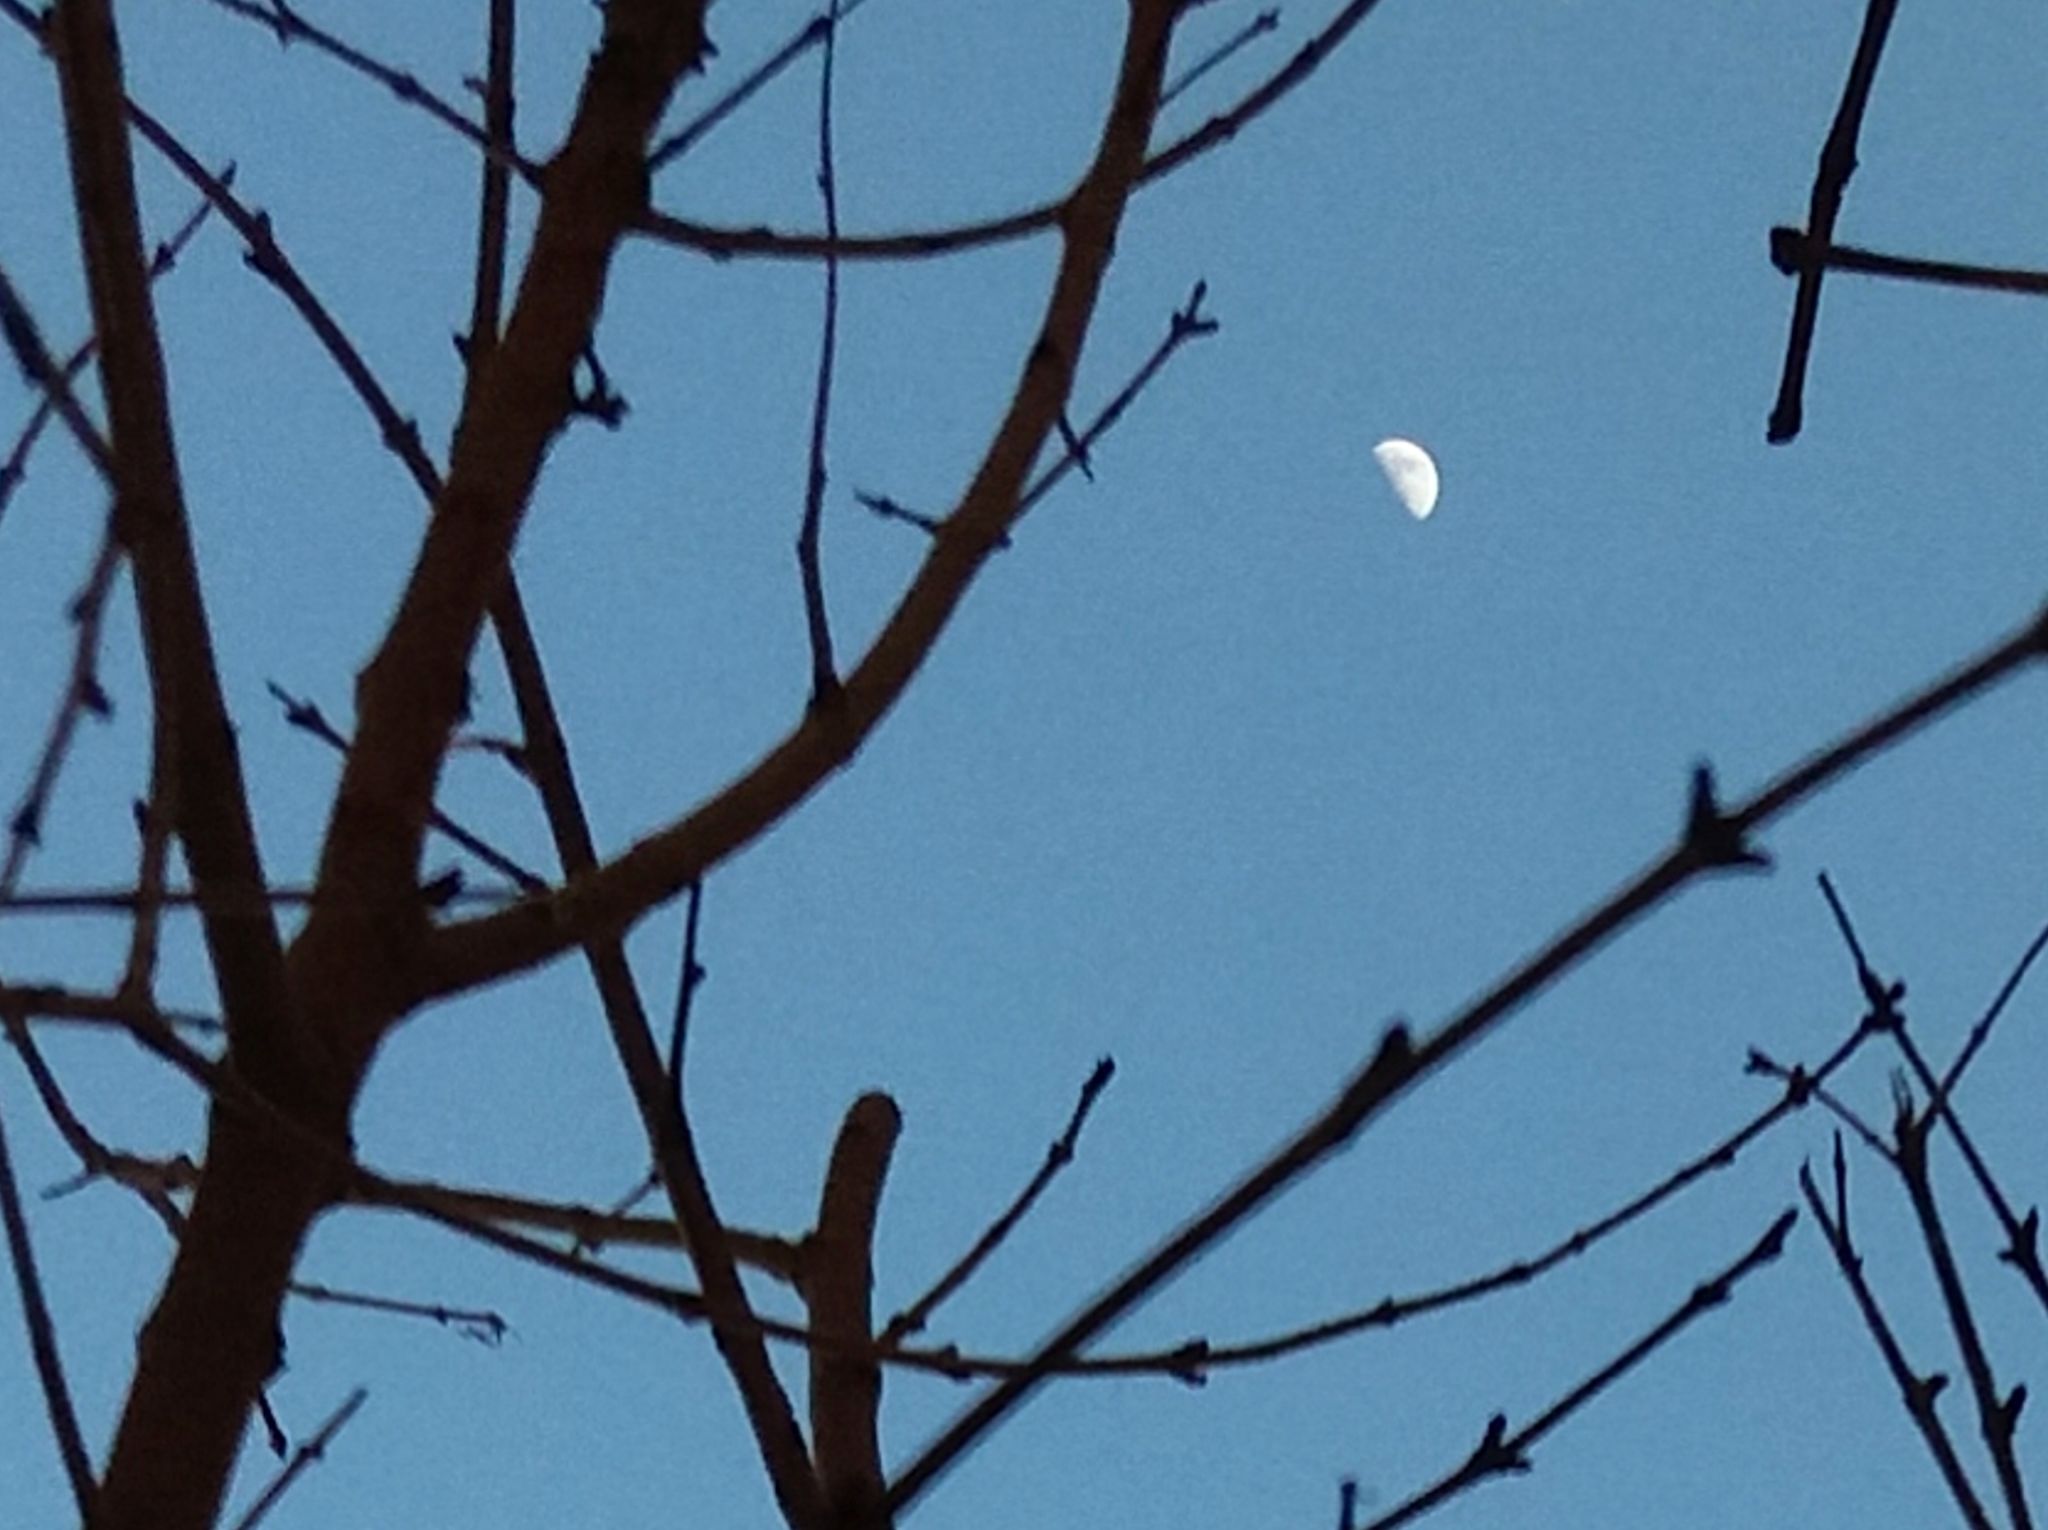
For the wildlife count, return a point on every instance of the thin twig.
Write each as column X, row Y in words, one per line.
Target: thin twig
column 812, row 33
column 126, row 900
column 306, row 716
column 913, row 1318
column 14, row 471
column 1915, row 1391
column 479, row 1323
column 289, row 27
column 1997, row 1413
column 915, row 244
column 2022, row 1234
column 80, row 697
column 688, row 980
column 1837, row 164
column 1500, row 1452
column 1266, row 21
column 1188, row 323
column 311, row 1450
column 42, row 1342
column 824, row 673
column 1792, row 253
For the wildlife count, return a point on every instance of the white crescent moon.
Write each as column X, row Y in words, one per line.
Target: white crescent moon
column 1410, row 473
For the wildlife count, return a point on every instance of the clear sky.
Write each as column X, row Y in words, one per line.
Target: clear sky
column 1223, row 764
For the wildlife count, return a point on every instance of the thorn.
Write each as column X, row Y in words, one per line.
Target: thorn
column 1711, row 837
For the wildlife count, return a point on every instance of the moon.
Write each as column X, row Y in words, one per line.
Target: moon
column 1410, row 473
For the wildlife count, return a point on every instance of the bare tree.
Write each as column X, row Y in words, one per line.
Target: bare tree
column 314, row 979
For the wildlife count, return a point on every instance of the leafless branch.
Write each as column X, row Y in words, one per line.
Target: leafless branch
column 824, row 673
column 1266, row 21
column 42, row 1342
column 1916, row 1391
column 913, row 1318
column 312, row 1450
column 1791, row 253
column 818, row 30
column 1837, row 164
column 1501, row 1452
column 920, row 244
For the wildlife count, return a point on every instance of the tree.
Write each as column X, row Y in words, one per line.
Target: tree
column 615, row 363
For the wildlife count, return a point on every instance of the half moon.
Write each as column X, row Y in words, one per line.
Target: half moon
column 1410, row 473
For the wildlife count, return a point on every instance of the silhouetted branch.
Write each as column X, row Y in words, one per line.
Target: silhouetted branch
column 1714, row 838
column 688, row 980
column 82, row 695
column 818, row 30
column 42, row 1342
column 924, row 243
column 838, row 1290
column 289, row 27
column 14, row 470
column 307, row 717
column 1266, row 21
column 1916, row 1391
column 1997, row 1413
column 1792, row 253
column 1500, row 1452
column 824, row 673
column 1188, row 323
column 312, row 1450
column 2022, row 1234
column 1837, row 164
column 479, row 1323
column 912, row 1319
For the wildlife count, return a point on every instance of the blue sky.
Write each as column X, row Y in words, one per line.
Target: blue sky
column 1223, row 764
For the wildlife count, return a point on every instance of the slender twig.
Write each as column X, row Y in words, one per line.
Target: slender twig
column 42, row 1342
column 1917, row 1392
column 824, row 673
column 590, row 1227
column 289, row 27
column 1792, row 253
column 96, row 1160
column 306, row 716
column 1997, row 1413
column 1501, row 1452
column 1981, row 1031
column 1837, row 164
column 818, row 30
column 126, row 900
column 39, row 368
column 688, row 980
column 924, row 243
column 14, row 470
column 2022, row 1233
column 478, row 1323
column 1266, row 21
column 308, row 1452
column 80, row 696
column 913, row 1318
column 1188, row 323
column 153, row 835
